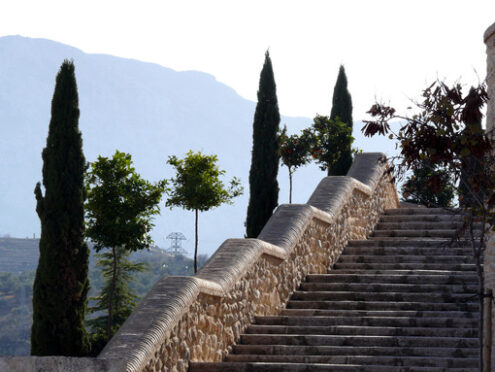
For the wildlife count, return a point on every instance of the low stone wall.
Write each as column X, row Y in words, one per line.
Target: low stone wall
column 199, row 318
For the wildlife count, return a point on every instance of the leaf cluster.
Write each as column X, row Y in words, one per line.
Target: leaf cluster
column 294, row 149
column 120, row 204
column 197, row 185
column 328, row 139
column 445, row 132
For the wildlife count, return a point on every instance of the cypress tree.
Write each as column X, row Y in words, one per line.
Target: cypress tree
column 61, row 283
column 342, row 110
column 263, row 185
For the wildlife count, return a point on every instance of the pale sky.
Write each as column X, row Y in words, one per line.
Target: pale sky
column 390, row 49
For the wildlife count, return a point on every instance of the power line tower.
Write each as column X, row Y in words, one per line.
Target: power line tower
column 176, row 244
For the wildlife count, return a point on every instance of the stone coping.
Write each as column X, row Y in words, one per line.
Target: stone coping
column 165, row 304
column 489, row 32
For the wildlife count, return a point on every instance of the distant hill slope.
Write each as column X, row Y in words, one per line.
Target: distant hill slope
column 142, row 108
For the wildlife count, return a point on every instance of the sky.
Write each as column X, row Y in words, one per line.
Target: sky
column 391, row 50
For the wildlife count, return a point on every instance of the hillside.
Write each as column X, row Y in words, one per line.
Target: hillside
column 142, row 108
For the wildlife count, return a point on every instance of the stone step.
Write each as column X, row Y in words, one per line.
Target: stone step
column 414, row 233
column 403, row 234
column 381, row 313
column 383, row 296
column 364, row 341
column 306, row 367
column 389, row 287
column 371, row 321
column 353, row 350
column 348, row 330
column 420, row 211
column 407, row 258
column 383, row 305
column 404, row 266
column 421, row 225
column 392, row 251
column 407, row 242
column 422, row 218
column 404, row 272
column 396, row 276
column 357, row 359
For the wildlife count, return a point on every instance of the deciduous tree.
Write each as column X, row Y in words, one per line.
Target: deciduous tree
column 197, row 187
column 294, row 152
column 120, row 208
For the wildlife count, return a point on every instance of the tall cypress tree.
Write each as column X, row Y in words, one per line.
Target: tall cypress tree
column 342, row 110
column 61, row 283
column 263, row 185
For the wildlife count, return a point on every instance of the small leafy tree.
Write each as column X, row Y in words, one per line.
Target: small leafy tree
column 417, row 188
column 197, row 187
column 294, row 152
column 119, row 209
column 328, row 140
column 445, row 133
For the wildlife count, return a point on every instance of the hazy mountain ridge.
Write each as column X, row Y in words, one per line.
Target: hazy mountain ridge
column 138, row 107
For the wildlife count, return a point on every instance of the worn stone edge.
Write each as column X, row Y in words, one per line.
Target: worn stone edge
column 231, row 260
column 489, row 33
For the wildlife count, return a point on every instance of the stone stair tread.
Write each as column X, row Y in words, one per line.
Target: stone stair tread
column 359, row 340
column 381, row 313
column 316, row 320
column 388, row 287
column 362, row 330
column 362, row 305
column 401, row 258
column 416, row 361
column 439, row 279
column 404, row 266
column 403, row 272
column 304, row 367
column 353, row 350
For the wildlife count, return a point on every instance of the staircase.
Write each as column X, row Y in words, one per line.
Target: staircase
column 403, row 300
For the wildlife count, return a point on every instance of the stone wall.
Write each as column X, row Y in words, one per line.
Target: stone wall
column 199, row 318
column 489, row 261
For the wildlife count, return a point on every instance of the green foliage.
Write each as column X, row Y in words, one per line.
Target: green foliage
column 263, row 185
column 120, row 204
column 119, row 208
column 418, row 189
column 115, row 296
column 342, row 110
column 328, row 140
column 197, row 187
column 294, row 152
column 61, row 283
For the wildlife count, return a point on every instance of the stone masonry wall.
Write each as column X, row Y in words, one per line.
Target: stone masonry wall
column 199, row 318
column 489, row 261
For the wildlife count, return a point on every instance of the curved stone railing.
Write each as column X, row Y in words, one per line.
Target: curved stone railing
column 199, row 318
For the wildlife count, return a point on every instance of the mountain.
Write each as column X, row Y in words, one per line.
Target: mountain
column 142, row 108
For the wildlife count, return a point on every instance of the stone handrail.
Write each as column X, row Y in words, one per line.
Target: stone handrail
column 201, row 317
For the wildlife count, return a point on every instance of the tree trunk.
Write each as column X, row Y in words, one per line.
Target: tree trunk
column 290, row 186
column 111, row 294
column 196, row 243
